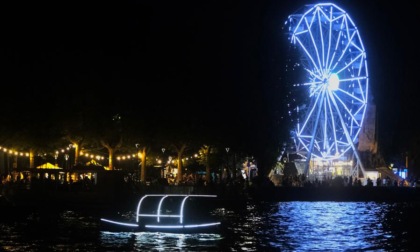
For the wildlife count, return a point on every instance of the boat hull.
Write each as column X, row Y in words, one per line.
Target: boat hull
column 120, row 226
column 180, row 213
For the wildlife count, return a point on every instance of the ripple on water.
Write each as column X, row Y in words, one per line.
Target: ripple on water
column 284, row 226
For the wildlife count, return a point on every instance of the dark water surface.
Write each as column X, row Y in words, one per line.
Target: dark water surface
column 281, row 226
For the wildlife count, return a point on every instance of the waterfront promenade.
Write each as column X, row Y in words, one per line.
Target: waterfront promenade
column 228, row 193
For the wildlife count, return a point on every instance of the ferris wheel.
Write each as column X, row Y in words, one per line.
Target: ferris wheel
column 333, row 81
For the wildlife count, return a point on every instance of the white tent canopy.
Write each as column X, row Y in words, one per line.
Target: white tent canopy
column 48, row 166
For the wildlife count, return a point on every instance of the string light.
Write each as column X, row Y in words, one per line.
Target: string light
column 87, row 154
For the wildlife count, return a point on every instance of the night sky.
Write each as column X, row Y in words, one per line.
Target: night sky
column 224, row 59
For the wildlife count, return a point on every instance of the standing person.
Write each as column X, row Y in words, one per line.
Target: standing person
column 253, row 170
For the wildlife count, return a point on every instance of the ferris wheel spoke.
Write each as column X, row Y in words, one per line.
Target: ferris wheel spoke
column 342, row 122
column 328, row 17
column 324, row 128
column 299, row 34
column 343, row 144
column 309, row 55
column 343, row 52
column 346, row 108
column 334, row 53
column 349, row 64
column 347, row 29
column 315, row 89
column 361, row 111
column 330, row 151
column 360, row 39
column 361, row 100
column 362, row 93
column 334, row 129
column 316, row 145
column 315, row 75
column 330, row 21
column 311, row 112
column 363, row 82
column 353, row 79
column 329, row 34
column 353, row 44
column 307, row 137
column 314, row 44
column 363, row 67
column 322, row 39
column 303, row 143
column 339, row 17
column 337, row 44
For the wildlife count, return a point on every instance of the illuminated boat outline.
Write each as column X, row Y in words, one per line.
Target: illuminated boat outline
column 159, row 216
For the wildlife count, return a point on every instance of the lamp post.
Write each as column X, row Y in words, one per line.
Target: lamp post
column 15, row 161
column 139, row 159
column 66, row 157
column 66, row 174
column 55, row 157
column 162, row 172
column 227, row 162
column 8, row 162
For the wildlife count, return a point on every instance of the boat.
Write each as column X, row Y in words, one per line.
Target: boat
column 180, row 213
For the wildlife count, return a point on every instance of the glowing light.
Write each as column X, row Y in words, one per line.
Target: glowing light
column 335, row 65
column 158, row 214
column 183, row 226
column 333, row 82
column 120, row 223
column 164, row 226
column 202, row 225
column 159, row 206
column 182, row 209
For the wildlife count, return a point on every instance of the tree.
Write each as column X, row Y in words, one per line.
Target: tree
column 142, row 155
column 110, row 137
column 39, row 138
column 205, row 159
column 79, row 127
column 208, row 158
column 180, row 150
column 111, row 147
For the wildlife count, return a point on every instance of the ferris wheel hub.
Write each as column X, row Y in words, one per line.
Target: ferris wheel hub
column 333, row 82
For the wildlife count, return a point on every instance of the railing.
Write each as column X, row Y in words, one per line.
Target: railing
column 158, row 213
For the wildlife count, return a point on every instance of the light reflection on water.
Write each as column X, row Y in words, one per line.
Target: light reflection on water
column 336, row 226
column 160, row 241
column 330, row 225
column 282, row 226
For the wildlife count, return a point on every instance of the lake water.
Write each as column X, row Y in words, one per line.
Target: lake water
column 248, row 226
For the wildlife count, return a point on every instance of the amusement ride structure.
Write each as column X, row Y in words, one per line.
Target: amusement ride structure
column 331, row 88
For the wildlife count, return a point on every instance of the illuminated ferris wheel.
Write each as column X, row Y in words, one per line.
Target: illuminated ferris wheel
column 333, row 81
